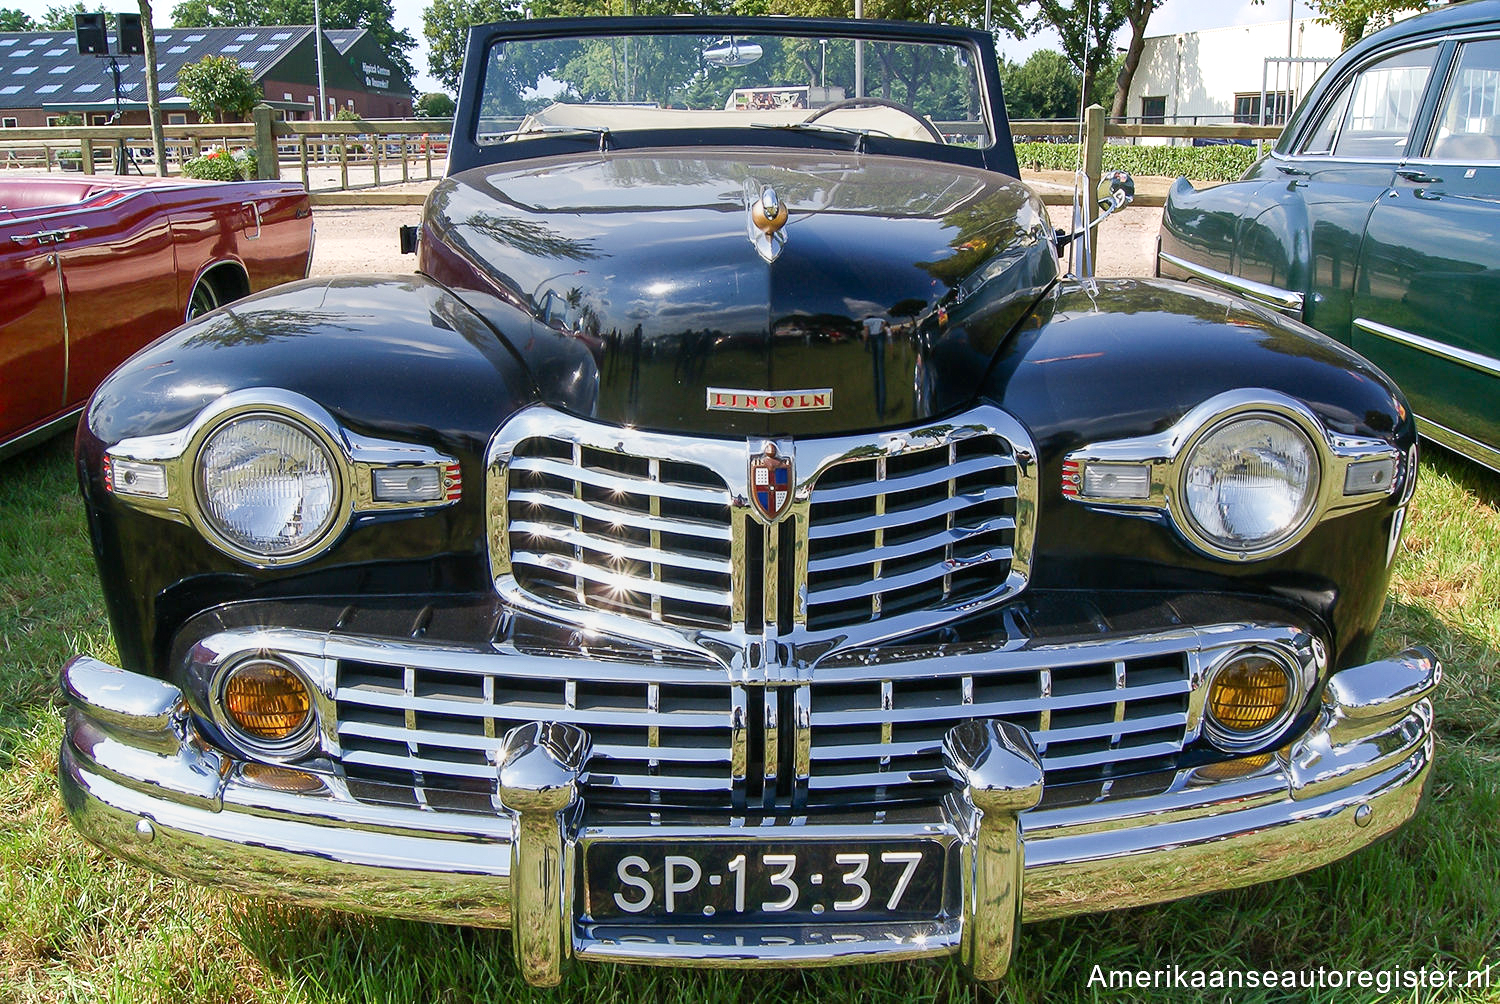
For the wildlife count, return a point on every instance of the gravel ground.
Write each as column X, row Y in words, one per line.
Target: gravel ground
column 363, row 239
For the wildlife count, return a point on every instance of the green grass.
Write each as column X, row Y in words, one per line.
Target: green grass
column 76, row 925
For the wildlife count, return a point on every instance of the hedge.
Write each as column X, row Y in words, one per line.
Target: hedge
column 1200, row 163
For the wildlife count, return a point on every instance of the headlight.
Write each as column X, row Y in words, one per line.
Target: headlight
column 268, row 488
column 1250, row 483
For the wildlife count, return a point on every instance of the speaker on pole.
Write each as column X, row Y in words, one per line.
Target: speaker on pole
column 132, row 42
column 92, row 39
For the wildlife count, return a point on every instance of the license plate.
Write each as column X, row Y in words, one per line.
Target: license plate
column 764, row 882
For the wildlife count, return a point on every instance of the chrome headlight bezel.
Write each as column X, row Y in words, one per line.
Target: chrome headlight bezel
column 1147, row 475
column 1189, row 523
column 221, row 536
column 160, row 474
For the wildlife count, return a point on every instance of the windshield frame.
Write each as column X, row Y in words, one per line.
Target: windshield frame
column 466, row 152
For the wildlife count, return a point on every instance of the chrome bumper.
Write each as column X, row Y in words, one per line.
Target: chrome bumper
column 138, row 780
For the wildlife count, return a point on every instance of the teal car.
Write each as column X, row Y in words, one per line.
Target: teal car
column 1376, row 218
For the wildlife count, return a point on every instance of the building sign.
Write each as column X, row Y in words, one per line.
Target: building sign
column 378, row 77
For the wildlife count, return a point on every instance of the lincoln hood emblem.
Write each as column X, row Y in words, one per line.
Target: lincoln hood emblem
column 770, row 483
column 765, row 215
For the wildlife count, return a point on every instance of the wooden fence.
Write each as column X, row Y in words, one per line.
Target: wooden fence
column 399, row 151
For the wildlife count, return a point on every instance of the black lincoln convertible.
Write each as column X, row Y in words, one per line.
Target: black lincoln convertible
column 739, row 543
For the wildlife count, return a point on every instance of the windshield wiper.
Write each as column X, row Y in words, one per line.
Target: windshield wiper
column 860, row 135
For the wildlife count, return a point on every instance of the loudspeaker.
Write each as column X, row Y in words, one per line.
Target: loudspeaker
column 128, row 30
column 92, row 40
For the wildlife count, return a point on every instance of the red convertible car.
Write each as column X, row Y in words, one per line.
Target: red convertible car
column 91, row 269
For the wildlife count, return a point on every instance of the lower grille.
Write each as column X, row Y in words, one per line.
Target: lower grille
column 865, row 739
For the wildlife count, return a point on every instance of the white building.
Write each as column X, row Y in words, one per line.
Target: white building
column 1217, row 75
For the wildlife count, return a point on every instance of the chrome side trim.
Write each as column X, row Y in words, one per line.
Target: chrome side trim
column 1488, row 365
column 41, row 433
column 1476, row 451
column 1286, row 301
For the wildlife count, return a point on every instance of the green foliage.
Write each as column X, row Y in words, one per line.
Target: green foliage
column 446, row 25
column 217, row 86
column 16, row 20
column 60, row 18
column 221, row 165
column 434, row 105
column 1043, row 87
column 376, row 16
column 1200, row 163
column 69, row 119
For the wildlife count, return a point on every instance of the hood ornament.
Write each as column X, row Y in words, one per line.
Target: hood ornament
column 765, row 215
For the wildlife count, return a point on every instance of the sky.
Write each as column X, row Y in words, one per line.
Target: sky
column 1173, row 17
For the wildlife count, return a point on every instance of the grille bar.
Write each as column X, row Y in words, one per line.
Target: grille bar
column 908, row 549
column 889, row 583
column 618, row 484
column 914, row 482
column 894, row 518
column 621, row 583
column 616, row 549
column 619, row 516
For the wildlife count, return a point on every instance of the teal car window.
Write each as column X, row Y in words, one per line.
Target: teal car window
column 1383, row 106
column 1468, row 126
column 1321, row 139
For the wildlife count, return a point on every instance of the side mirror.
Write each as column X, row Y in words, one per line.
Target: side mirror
column 409, row 240
column 1121, row 182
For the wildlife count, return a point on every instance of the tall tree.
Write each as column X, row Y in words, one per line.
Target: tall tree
column 1137, row 14
column 1354, row 18
column 61, row 18
column 1087, row 29
column 153, row 92
column 16, row 20
column 446, row 27
column 375, row 16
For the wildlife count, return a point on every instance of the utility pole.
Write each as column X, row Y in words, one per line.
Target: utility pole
column 318, row 41
column 859, row 53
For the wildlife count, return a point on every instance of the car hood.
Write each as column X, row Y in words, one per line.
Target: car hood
column 632, row 288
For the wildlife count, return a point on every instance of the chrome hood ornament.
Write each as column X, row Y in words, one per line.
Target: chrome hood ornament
column 765, row 215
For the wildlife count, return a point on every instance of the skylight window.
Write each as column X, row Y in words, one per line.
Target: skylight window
column 49, row 88
column 232, row 48
column 61, row 69
column 57, row 52
column 281, row 36
column 250, row 65
column 12, row 89
column 21, row 71
column 6, row 41
column 177, row 50
column 193, row 38
column 268, row 47
column 85, row 88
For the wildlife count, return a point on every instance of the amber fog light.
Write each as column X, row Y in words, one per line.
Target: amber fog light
column 276, row 778
column 1250, row 695
column 267, row 702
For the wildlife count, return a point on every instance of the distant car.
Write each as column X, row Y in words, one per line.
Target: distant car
column 91, row 269
column 1376, row 219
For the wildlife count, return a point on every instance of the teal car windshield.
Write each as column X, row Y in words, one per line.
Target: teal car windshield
column 926, row 92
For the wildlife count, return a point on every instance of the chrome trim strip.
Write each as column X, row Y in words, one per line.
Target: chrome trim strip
column 41, row 433
column 1488, row 365
column 1287, row 301
column 1474, row 450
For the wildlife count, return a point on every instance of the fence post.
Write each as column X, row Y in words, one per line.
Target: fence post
column 86, row 153
column 1093, row 154
column 302, row 156
column 343, row 162
column 267, row 165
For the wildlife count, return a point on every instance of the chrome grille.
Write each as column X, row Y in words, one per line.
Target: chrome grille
column 884, row 736
column 644, row 537
column 920, row 529
column 440, row 730
column 694, row 740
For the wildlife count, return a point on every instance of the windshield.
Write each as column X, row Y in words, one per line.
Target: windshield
column 923, row 91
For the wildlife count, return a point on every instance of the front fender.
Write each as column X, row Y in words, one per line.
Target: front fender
column 390, row 357
column 1119, row 359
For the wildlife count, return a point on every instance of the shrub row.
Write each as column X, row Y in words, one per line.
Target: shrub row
column 221, row 165
column 1199, row 163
